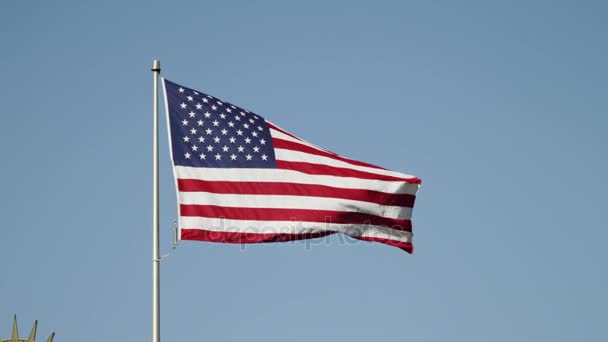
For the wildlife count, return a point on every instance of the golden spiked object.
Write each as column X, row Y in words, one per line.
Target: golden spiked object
column 32, row 338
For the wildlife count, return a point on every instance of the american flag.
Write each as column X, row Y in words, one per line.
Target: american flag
column 242, row 179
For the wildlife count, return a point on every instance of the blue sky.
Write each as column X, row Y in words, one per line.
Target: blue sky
column 500, row 107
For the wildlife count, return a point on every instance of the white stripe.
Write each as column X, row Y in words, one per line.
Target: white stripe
column 290, row 176
column 390, row 234
column 294, row 202
column 287, row 227
column 297, row 156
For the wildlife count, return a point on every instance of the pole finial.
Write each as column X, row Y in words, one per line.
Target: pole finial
column 156, row 65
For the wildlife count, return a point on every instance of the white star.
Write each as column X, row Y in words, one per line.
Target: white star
column 183, row 105
column 216, row 140
column 232, row 106
column 247, row 141
column 256, row 149
column 205, row 100
column 201, row 139
column 181, row 90
column 216, row 123
column 232, row 140
column 209, row 131
column 213, row 107
column 192, row 114
column 224, row 131
column 243, row 114
column 239, row 132
column 246, row 126
column 187, row 155
column 229, row 110
column 193, row 131
column 209, row 148
column 185, row 122
column 200, row 122
column 223, row 116
column 233, row 156
column 251, row 120
column 199, row 106
column 249, row 156
column 190, row 98
column 195, row 93
column 202, row 156
column 225, row 148
column 254, row 134
column 207, row 114
column 231, row 124
column 186, row 139
column 218, row 157
column 263, row 142
column 194, row 148
column 219, row 103
column 255, row 117
column 264, row 157
column 260, row 128
column 241, row 148
column 237, row 118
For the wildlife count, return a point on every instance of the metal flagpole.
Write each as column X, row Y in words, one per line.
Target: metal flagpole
column 155, row 216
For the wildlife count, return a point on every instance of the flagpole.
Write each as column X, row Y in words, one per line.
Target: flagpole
column 155, row 215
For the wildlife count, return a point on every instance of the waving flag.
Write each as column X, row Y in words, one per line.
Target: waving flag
column 242, row 179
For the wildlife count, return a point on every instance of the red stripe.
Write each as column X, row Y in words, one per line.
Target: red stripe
column 294, row 146
column 301, row 215
column 294, row 189
column 236, row 237
column 319, row 169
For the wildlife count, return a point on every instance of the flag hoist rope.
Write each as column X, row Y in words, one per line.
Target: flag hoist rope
column 155, row 215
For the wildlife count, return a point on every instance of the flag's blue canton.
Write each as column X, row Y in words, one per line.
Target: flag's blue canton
column 208, row 132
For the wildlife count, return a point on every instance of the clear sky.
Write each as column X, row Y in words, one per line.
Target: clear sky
column 499, row 106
